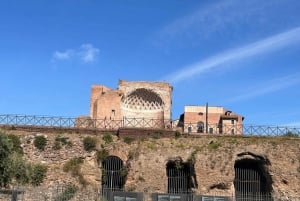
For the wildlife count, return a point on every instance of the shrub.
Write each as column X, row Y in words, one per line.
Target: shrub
column 89, row 143
column 38, row 174
column 73, row 166
column 18, row 168
column 68, row 193
column 101, row 155
column 107, row 138
column 291, row 134
column 61, row 141
column 40, row 142
column 128, row 140
column 56, row 145
column 16, row 143
column 13, row 167
column 177, row 134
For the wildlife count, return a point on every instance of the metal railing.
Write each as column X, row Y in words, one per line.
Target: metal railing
column 115, row 124
column 242, row 129
column 81, row 122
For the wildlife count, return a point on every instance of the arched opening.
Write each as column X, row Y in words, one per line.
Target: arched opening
column 143, row 108
column 200, row 127
column 113, row 174
column 252, row 180
column 180, row 176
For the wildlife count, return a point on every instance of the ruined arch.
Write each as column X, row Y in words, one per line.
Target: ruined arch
column 181, row 176
column 252, row 179
column 113, row 174
column 143, row 108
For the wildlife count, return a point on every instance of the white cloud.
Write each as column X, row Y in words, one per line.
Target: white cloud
column 86, row 53
column 63, row 55
column 270, row 44
column 225, row 17
column 269, row 87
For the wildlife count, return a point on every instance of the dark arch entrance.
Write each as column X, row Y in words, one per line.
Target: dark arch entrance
column 252, row 181
column 113, row 174
column 200, row 127
column 180, row 177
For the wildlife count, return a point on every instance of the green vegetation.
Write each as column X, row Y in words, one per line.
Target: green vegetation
column 40, row 142
column 177, row 134
column 180, row 145
column 291, row 134
column 141, row 179
column 213, row 145
column 107, row 137
column 73, row 166
column 124, row 172
column 13, row 168
column 128, row 140
column 89, row 143
column 16, row 143
column 38, row 174
column 192, row 158
column 131, row 188
column 68, row 193
column 61, row 141
column 101, row 155
column 151, row 145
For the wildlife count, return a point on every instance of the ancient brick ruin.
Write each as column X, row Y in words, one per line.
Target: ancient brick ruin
column 132, row 101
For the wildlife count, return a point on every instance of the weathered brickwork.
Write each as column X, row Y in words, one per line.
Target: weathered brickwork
column 132, row 100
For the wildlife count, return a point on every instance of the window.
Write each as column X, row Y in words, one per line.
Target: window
column 200, row 127
column 211, row 130
column 232, row 121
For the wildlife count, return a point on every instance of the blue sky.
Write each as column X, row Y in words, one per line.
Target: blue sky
column 243, row 55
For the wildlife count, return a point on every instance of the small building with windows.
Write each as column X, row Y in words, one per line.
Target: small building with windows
column 211, row 119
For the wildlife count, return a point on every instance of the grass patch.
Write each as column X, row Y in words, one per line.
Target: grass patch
column 213, row 145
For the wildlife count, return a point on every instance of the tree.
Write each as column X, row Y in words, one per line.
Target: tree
column 13, row 168
column 5, row 151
